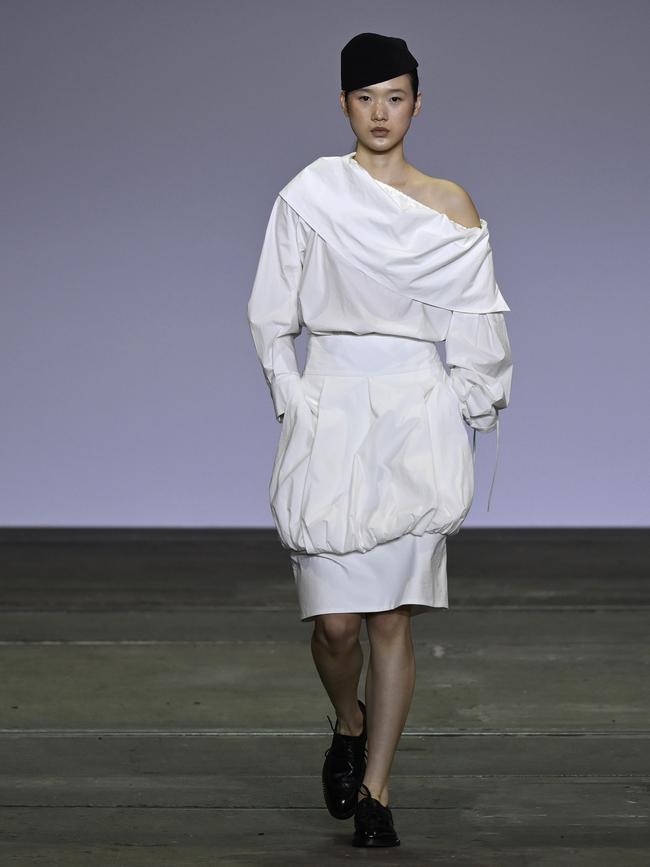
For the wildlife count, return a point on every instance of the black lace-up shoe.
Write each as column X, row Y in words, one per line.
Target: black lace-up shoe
column 344, row 769
column 373, row 822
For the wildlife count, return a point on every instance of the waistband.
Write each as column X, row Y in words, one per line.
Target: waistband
column 369, row 354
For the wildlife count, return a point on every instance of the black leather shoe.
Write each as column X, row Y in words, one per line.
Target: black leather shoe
column 344, row 769
column 373, row 822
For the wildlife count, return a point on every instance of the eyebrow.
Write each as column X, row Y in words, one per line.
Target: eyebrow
column 390, row 90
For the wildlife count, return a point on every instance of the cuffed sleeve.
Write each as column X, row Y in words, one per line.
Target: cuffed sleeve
column 479, row 358
column 273, row 305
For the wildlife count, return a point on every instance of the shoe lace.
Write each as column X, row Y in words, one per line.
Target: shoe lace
column 333, row 726
column 374, row 815
column 329, row 749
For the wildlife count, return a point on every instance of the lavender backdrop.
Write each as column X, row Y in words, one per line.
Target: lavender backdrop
column 143, row 143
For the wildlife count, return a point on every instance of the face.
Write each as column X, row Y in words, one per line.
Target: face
column 388, row 104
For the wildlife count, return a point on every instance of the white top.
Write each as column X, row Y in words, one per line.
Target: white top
column 417, row 252
column 305, row 279
column 301, row 281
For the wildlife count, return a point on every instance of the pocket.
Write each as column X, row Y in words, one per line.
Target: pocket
column 457, row 401
column 294, row 397
column 292, row 457
column 451, row 455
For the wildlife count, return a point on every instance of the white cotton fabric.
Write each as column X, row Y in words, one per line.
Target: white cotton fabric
column 422, row 254
column 373, row 468
column 410, row 570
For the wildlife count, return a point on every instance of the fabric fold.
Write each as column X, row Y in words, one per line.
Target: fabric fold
column 374, row 448
column 420, row 253
column 373, row 443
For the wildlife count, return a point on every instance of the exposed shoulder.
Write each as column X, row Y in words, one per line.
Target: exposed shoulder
column 452, row 199
column 459, row 205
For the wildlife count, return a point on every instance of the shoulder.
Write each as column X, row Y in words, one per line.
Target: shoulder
column 311, row 178
column 460, row 205
column 452, row 199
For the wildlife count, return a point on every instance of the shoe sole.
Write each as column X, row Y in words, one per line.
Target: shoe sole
column 373, row 844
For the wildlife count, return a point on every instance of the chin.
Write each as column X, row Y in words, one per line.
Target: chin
column 383, row 144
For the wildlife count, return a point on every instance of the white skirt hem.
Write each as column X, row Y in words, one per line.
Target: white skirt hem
column 416, row 608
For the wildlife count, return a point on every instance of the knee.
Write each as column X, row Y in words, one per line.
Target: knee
column 387, row 626
column 338, row 632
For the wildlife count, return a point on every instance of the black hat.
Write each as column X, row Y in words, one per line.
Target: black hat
column 369, row 58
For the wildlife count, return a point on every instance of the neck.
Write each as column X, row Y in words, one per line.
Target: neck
column 388, row 166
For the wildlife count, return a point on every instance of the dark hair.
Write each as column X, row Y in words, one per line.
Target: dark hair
column 415, row 84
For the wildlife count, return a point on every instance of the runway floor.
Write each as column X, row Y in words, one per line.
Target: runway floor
column 160, row 705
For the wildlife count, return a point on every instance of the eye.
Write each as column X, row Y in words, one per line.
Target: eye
column 399, row 98
column 364, row 97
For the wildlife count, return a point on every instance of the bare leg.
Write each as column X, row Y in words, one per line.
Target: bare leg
column 390, row 683
column 337, row 653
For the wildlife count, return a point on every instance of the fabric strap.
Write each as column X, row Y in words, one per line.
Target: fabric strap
column 496, row 459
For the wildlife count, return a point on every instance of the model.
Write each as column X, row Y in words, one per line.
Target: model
column 373, row 468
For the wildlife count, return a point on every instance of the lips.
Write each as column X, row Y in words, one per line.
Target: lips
column 379, row 130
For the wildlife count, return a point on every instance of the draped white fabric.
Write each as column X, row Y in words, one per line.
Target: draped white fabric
column 373, row 444
column 419, row 252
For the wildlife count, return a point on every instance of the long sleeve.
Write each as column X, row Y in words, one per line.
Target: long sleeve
column 273, row 305
column 478, row 354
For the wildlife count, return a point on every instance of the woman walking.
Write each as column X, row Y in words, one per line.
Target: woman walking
column 373, row 468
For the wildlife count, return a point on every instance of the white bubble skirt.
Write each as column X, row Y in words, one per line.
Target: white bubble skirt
column 372, row 472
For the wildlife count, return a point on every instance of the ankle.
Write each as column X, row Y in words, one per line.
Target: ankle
column 380, row 793
column 351, row 725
